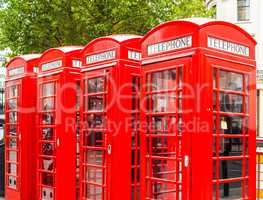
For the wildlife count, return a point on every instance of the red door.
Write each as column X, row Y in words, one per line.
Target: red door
column 47, row 139
column 95, row 148
column 234, row 131
column 13, row 136
column 165, row 141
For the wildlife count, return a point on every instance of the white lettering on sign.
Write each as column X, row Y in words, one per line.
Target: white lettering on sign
column 101, row 56
column 175, row 44
column 228, row 46
column 76, row 63
column 16, row 71
column 134, row 55
column 52, row 65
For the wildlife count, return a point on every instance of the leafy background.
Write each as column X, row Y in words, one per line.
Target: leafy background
column 30, row 26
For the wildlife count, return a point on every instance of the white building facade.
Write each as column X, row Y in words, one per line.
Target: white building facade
column 248, row 14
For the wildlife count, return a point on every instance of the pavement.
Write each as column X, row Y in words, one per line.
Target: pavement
column 1, row 198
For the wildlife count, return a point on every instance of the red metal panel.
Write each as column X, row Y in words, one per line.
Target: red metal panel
column 20, row 112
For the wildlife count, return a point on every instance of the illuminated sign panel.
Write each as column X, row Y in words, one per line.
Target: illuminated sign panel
column 175, row 44
column 76, row 63
column 134, row 55
column 16, row 71
column 108, row 55
column 52, row 65
column 227, row 46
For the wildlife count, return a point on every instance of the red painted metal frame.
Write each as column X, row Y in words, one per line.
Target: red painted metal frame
column 108, row 166
column 57, row 112
column 21, row 139
column 198, row 62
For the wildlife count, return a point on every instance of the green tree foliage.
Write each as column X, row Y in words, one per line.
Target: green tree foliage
column 28, row 26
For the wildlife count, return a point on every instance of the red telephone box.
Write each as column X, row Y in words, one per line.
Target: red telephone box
column 20, row 139
column 198, row 104
column 58, row 79
column 109, row 118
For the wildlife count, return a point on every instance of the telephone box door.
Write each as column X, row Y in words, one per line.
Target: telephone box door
column 166, row 141
column 234, row 131
column 95, row 148
column 13, row 168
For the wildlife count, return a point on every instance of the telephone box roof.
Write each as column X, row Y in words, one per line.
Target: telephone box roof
column 123, row 37
column 200, row 23
column 26, row 58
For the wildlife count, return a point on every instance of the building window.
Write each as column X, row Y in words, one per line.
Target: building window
column 243, row 7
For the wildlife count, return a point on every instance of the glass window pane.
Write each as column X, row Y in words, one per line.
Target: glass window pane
column 94, row 157
column 47, row 133
column 159, row 103
column 96, row 85
column 13, row 92
column 231, row 125
column 95, row 103
column 48, row 149
column 12, row 104
column 214, row 78
column 230, row 169
column 48, row 118
column 231, row 146
column 48, row 89
column 230, row 191
column 93, row 138
column 231, row 103
column 12, row 143
column 231, row 81
column 170, row 79
column 48, row 104
column 12, row 130
column 12, row 117
column 95, row 121
column 157, row 81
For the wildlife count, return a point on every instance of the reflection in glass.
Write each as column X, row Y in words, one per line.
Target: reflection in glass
column 12, row 156
column 12, row 117
column 231, row 103
column 231, row 124
column 164, row 80
column 48, row 164
column 230, row 169
column 157, row 81
column 12, row 104
column 48, row 104
column 48, row 149
column 95, row 103
column 48, row 118
column 231, row 81
column 12, row 143
column 93, row 138
column 229, row 191
column 96, row 85
column 231, row 146
column 95, row 175
column 13, row 92
column 47, row 179
column 159, row 103
column 12, row 169
column 96, row 121
column 12, row 130
column 47, row 133
column 48, row 89
column 94, row 157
